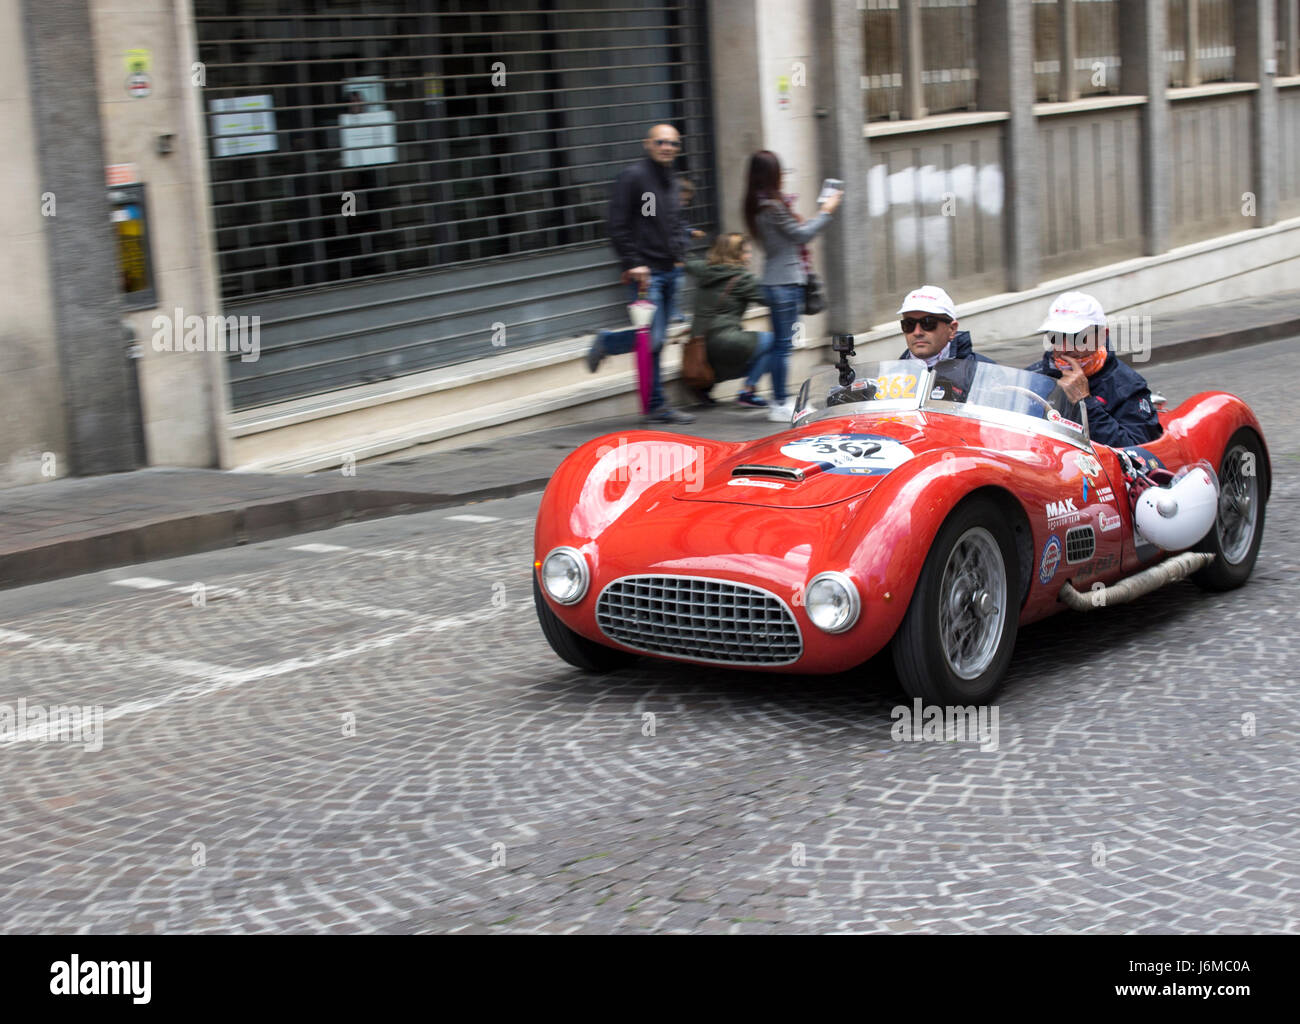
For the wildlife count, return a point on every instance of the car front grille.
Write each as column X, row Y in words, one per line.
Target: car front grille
column 1080, row 543
column 703, row 619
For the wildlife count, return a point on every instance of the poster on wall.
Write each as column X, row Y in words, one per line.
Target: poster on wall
column 242, row 125
column 368, row 130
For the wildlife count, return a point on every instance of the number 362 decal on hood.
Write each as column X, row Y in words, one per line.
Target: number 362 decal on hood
column 850, row 454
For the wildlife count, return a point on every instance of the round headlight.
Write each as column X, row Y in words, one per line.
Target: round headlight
column 832, row 602
column 564, row 575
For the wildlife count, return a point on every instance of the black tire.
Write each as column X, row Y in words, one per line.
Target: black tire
column 1236, row 536
column 922, row 656
column 577, row 650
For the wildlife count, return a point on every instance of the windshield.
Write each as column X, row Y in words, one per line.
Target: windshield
column 888, row 385
column 964, row 387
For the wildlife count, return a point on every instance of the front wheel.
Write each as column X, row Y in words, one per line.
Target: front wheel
column 955, row 641
column 574, row 648
column 1239, row 525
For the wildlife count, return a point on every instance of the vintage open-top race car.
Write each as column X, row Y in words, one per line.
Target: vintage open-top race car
column 936, row 510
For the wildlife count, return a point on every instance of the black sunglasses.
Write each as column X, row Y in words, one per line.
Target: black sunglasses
column 928, row 323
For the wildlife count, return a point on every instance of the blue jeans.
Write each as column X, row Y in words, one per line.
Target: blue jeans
column 783, row 303
column 679, row 275
column 663, row 288
column 761, row 361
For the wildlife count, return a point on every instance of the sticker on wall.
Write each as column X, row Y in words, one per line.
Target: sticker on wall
column 139, row 84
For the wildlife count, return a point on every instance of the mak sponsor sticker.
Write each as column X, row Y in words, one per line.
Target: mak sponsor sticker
column 1062, row 513
column 1051, row 559
column 849, row 454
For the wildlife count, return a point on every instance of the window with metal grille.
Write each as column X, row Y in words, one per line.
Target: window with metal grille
column 949, row 73
column 1096, row 65
column 1047, row 54
column 361, row 142
column 350, row 140
column 1093, row 61
column 883, row 60
column 1203, row 29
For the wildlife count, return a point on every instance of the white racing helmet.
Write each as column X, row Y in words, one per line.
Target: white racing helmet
column 1177, row 516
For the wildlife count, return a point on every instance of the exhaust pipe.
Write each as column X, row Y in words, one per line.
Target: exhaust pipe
column 1171, row 570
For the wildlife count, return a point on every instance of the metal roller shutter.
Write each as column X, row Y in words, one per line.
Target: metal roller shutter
column 397, row 184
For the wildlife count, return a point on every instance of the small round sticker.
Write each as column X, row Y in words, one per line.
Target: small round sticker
column 1050, row 560
column 849, row 454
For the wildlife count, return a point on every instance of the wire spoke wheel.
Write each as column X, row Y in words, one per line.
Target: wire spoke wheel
column 1238, row 504
column 971, row 616
column 955, row 642
column 1239, row 523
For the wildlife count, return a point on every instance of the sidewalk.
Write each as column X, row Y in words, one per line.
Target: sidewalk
column 75, row 525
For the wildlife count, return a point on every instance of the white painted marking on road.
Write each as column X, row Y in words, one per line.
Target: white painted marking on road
column 318, row 549
column 188, row 588
column 13, row 636
column 212, row 678
column 466, row 518
column 143, row 583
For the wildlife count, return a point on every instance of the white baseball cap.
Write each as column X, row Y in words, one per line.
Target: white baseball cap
column 929, row 299
column 1073, row 312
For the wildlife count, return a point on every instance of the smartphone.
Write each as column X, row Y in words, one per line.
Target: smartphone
column 829, row 185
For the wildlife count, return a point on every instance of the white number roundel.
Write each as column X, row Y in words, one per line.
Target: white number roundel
column 850, row 454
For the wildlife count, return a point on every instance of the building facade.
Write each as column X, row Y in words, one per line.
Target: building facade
column 338, row 230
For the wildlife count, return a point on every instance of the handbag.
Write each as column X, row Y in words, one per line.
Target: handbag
column 696, row 371
column 814, row 298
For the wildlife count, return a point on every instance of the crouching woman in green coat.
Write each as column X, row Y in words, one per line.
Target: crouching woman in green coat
column 724, row 288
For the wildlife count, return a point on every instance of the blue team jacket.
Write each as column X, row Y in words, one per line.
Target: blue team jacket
column 1120, row 410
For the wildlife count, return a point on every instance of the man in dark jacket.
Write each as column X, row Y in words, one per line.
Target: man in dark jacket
column 930, row 328
column 1116, row 397
column 645, row 230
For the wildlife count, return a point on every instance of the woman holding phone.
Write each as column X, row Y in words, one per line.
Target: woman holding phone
column 784, row 237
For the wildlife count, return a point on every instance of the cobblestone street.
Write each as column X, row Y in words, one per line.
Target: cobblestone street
column 364, row 730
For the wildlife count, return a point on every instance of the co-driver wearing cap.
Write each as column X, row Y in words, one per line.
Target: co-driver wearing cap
column 1120, row 410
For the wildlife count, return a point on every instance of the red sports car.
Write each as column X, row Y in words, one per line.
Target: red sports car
column 934, row 510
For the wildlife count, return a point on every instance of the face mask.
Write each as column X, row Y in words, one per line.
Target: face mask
column 1091, row 361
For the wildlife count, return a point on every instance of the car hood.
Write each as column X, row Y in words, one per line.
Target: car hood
column 822, row 463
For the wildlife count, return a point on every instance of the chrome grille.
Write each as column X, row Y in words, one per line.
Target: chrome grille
column 1080, row 542
column 703, row 619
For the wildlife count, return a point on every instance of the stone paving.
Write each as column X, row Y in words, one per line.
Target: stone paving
column 374, row 737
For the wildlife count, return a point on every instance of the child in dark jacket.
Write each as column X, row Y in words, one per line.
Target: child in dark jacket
column 725, row 287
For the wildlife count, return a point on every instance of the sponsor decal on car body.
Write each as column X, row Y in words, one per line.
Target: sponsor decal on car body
column 744, row 481
column 849, row 454
column 1087, row 464
column 1062, row 513
column 1051, row 559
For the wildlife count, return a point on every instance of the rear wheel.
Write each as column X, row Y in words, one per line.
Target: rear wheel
column 1239, row 525
column 577, row 650
column 955, row 642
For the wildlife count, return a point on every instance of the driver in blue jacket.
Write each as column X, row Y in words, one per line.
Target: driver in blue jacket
column 1118, row 401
